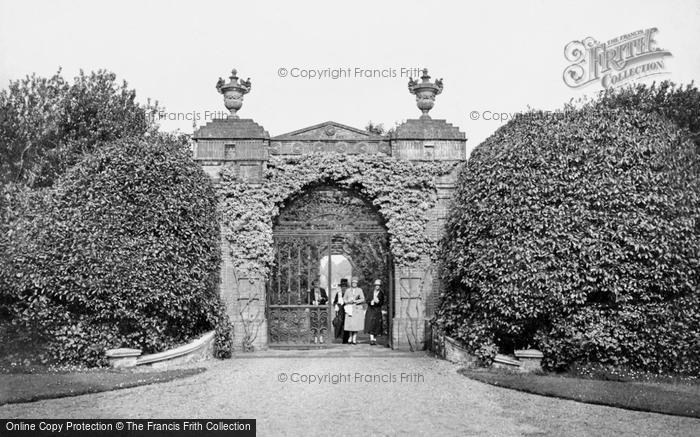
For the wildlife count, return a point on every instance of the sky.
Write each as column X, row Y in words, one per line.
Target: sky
column 495, row 57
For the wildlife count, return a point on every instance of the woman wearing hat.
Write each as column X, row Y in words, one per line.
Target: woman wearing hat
column 339, row 304
column 373, row 317
column 354, row 310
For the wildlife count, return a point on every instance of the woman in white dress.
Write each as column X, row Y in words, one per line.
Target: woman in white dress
column 354, row 310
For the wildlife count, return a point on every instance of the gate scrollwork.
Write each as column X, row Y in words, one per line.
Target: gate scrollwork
column 321, row 222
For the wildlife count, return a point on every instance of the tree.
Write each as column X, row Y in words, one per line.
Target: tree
column 379, row 129
column 47, row 124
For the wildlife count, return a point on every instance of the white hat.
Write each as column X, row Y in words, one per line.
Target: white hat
column 378, row 282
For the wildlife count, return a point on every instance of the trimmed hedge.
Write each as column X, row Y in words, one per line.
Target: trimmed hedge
column 678, row 103
column 578, row 233
column 123, row 251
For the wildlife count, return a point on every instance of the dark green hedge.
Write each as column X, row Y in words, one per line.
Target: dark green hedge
column 123, row 251
column 48, row 123
column 578, row 232
column 678, row 103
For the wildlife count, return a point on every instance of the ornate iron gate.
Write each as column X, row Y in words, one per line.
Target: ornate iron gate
column 323, row 222
column 291, row 316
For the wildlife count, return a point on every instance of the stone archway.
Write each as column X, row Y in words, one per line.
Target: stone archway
column 238, row 154
column 320, row 223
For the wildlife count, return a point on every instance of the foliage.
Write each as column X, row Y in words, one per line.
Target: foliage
column 674, row 399
column 379, row 129
column 123, row 251
column 46, row 124
column 677, row 103
column 577, row 232
column 26, row 386
column 402, row 191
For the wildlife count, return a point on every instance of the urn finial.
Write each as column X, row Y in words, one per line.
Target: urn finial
column 425, row 92
column 233, row 92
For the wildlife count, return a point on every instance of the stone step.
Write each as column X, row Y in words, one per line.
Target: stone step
column 360, row 350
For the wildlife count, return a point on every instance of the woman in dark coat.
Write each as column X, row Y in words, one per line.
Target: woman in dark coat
column 339, row 321
column 373, row 316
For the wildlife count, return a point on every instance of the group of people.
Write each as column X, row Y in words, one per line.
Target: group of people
column 353, row 310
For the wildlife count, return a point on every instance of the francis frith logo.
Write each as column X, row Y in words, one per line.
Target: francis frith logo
column 628, row 57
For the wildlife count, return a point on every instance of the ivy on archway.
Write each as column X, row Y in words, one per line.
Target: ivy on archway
column 402, row 191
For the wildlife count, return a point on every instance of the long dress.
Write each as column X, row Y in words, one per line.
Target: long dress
column 338, row 328
column 355, row 316
column 373, row 318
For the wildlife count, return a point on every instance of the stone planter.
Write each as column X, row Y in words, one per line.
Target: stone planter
column 122, row 357
column 233, row 92
column 425, row 92
column 531, row 359
column 506, row 363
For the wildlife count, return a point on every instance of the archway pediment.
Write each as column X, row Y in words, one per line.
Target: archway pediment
column 329, row 130
column 329, row 136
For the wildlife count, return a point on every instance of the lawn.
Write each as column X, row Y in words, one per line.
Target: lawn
column 27, row 387
column 674, row 399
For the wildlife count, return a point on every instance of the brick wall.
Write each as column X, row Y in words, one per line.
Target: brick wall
column 244, row 298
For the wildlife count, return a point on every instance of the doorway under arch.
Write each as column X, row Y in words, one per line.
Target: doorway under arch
column 325, row 234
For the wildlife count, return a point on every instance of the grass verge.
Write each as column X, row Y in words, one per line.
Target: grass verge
column 673, row 399
column 28, row 387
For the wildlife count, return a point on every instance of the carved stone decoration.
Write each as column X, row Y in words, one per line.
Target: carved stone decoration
column 326, row 208
column 233, row 92
column 425, row 92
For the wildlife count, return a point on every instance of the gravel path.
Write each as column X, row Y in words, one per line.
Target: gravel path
column 369, row 398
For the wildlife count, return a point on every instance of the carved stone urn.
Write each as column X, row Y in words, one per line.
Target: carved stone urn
column 425, row 92
column 233, row 92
